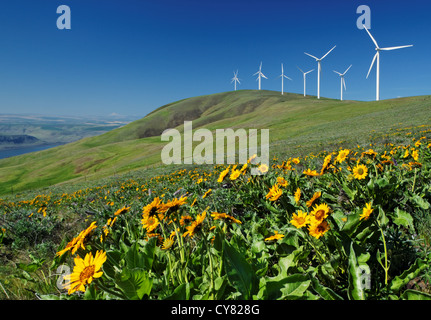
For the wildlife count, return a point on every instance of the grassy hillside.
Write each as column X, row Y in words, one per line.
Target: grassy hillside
column 297, row 125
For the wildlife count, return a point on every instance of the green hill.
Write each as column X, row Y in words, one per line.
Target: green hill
column 296, row 124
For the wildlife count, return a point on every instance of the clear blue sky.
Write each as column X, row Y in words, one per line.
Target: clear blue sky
column 130, row 57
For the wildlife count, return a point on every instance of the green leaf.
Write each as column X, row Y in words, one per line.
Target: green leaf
column 415, row 295
column 352, row 224
column 350, row 193
column 324, row 292
column 403, row 218
column 113, row 259
column 358, row 270
column 421, row 202
column 49, row 297
column 135, row 258
column 31, row 267
column 415, row 269
column 182, row 292
column 90, row 292
column 290, row 287
column 382, row 183
column 135, row 284
column 382, row 217
column 239, row 272
column 220, row 284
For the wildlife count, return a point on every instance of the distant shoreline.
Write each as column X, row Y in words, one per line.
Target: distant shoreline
column 12, row 151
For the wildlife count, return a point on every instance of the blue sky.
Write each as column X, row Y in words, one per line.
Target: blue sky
column 131, row 57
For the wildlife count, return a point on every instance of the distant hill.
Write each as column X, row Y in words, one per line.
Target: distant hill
column 57, row 129
column 296, row 123
column 16, row 140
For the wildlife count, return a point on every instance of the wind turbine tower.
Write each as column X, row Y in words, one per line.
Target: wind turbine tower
column 282, row 79
column 343, row 82
column 305, row 78
column 319, row 70
column 377, row 57
column 260, row 75
column 235, row 79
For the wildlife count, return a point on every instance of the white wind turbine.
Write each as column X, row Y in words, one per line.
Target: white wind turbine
column 377, row 57
column 305, row 77
column 343, row 82
column 235, row 79
column 282, row 79
column 319, row 70
column 260, row 75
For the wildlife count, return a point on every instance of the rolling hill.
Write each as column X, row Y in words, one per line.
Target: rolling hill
column 296, row 123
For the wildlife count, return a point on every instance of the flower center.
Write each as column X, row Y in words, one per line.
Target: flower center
column 320, row 214
column 87, row 273
column 360, row 171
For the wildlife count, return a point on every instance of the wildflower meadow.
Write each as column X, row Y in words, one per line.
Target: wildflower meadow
column 346, row 224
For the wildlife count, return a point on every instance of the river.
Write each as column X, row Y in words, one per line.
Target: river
column 18, row 151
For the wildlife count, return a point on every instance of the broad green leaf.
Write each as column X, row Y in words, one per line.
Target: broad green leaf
column 357, row 275
column 403, row 218
column 324, row 292
column 382, row 217
column 112, row 261
column 350, row 193
column 182, row 292
column 351, row 224
column 260, row 248
column 239, row 272
column 289, row 287
column 421, row 202
column 220, row 284
column 135, row 258
column 415, row 269
column 382, row 183
column 135, row 284
column 415, row 295
column 149, row 251
column 90, row 292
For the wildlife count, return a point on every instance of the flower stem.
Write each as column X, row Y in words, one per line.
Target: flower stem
column 386, row 268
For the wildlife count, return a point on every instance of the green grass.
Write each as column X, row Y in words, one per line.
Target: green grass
column 297, row 125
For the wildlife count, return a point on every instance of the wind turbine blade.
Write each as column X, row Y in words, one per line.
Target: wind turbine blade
column 300, row 69
column 311, row 56
column 309, row 71
column 394, row 48
column 288, row 78
column 337, row 72
column 372, row 63
column 344, row 83
column 347, row 70
column 374, row 40
column 327, row 53
column 263, row 76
